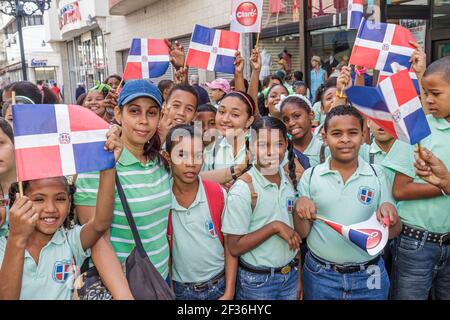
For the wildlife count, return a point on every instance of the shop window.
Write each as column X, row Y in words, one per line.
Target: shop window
column 280, row 12
column 320, row 8
column 332, row 45
column 45, row 74
column 275, row 47
column 418, row 28
column 407, row 2
column 441, row 13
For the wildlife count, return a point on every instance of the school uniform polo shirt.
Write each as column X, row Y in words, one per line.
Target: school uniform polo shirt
column 273, row 204
column 53, row 277
column 400, row 152
column 224, row 156
column 317, row 131
column 197, row 253
column 312, row 151
column 147, row 189
column 349, row 203
column 429, row 214
column 208, row 155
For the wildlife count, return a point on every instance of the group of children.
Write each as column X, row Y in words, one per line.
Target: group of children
column 227, row 201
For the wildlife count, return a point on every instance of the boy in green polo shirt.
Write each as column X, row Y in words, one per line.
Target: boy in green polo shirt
column 334, row 267
column 422, row 252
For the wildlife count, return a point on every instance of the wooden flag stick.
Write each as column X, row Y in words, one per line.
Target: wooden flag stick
column 14, row 101
column 120, row 85
column 419, row 149
column 257, row 39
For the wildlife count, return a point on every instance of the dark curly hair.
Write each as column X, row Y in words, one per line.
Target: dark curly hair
column 14, row 189
column 274, row 123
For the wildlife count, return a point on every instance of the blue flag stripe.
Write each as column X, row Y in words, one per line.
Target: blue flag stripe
column 91, row 157
column 136, row 47
column 157, row 69
column 372, row 31
column 224, row 64
column 417, row 126
column 368, row 97
column 203, row 35
column 31, row 120
column 358, row 238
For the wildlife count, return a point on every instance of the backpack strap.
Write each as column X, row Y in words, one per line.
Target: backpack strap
column 372, row 159
column 216, row 204
column 322, row 153
column 247, row 178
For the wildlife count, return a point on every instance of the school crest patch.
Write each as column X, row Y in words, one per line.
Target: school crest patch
column 290, row 202
column 210, row 228
column 365, row 195
column 61, row 271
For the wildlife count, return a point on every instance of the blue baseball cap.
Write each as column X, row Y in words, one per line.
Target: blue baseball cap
column 138, row 89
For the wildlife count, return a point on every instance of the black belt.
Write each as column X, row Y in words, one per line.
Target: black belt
column 202, row 286
column 346, row 268
column 443, row 239
column 283, row 270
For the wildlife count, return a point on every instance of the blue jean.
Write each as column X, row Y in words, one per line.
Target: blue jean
column 184, row 291
column 321, row 282
column 270, row 286
column 420, row 268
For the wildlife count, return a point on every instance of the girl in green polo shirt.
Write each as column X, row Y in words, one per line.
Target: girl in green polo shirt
column 41, row 254
column 258, row 219
column 144, row 175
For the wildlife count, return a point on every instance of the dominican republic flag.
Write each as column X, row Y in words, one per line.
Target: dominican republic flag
column 59, row 140
column 355, row 13
column 396, row 67
column 148, row 58
column 394, row 105
column 212, row 49
column 370, row 235
column 378, row 45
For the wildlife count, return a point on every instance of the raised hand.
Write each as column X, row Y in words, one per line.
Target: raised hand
column 22, row 219
column 239, row 64
column 181, row 76
column 255, row 60
column 344, row 81
column 418, row 59
column 113, row 142
column 177, row 55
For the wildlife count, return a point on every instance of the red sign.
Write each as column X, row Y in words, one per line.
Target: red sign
column 70, row 13
column 247, row 14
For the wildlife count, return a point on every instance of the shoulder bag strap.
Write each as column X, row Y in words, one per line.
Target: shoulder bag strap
column 130, row 219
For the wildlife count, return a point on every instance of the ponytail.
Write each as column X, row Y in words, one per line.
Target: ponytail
column 291, row 164
column 152, row 151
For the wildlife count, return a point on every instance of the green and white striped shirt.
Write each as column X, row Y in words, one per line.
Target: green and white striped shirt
column 147, row 188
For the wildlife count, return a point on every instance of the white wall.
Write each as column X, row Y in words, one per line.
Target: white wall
column 163, row 19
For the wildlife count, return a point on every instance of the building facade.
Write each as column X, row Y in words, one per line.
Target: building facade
column 175, row 19
column 326, row 35
column 42, row 61
column 76, row 29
